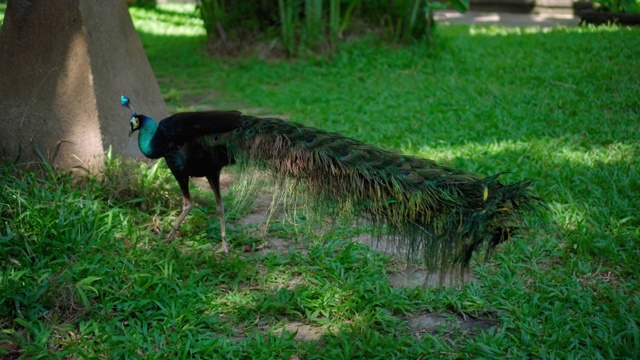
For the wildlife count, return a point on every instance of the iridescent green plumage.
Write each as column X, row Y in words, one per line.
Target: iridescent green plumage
column 439, row 214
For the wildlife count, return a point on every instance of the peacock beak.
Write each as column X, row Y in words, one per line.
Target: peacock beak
column 134, row 124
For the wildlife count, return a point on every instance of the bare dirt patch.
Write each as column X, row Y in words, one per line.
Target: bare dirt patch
column 448, row 323
column 403, row 275
column 302, row 331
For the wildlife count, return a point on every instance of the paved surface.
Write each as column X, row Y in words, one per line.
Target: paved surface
column 506, row 19
column 493, row 18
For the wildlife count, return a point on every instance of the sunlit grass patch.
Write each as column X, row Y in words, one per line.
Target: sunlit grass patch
column 169, row 19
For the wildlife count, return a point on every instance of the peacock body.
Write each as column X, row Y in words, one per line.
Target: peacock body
column 439, row 213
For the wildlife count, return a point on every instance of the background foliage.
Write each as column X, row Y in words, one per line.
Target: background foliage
column 312, row 25
column 625, row 6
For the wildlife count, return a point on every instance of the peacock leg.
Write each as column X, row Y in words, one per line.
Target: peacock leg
column 186, row 208
column 214, row 182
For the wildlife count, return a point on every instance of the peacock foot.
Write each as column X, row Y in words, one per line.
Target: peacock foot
column 171, row 236
column 224, row 248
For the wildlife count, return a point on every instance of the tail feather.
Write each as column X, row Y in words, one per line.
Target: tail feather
column 441, row 214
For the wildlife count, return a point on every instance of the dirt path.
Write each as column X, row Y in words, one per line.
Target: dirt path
column 506, row 19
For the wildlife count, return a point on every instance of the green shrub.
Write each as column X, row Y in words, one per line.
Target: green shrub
column 303, row 25
column 625, row 6
column 226, row 19
column 149, row 4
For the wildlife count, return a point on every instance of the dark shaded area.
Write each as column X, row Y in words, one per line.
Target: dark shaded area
column 596, row 17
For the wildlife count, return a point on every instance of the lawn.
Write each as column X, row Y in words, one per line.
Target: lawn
column 84, row 272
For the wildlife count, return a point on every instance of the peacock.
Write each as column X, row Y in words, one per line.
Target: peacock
column 442, row 214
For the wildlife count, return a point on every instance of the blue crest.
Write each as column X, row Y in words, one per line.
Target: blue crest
column 124, row 101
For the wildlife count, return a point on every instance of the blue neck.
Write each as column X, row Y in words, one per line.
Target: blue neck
column 147, row 130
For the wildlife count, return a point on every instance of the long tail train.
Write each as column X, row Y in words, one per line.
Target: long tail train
column 437, row 212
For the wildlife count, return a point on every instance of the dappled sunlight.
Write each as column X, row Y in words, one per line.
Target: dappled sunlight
column 496, row 30
column 612, row 153
column 448, row 152
column 500, row 30
column 79, row 125
column 569, row 216
column 546, row 149
column 176, row 20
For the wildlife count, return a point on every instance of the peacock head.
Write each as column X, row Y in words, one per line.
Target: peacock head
column 135, row 118
column 135, row 123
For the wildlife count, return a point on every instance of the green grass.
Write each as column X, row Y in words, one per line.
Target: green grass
column 83, row 272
